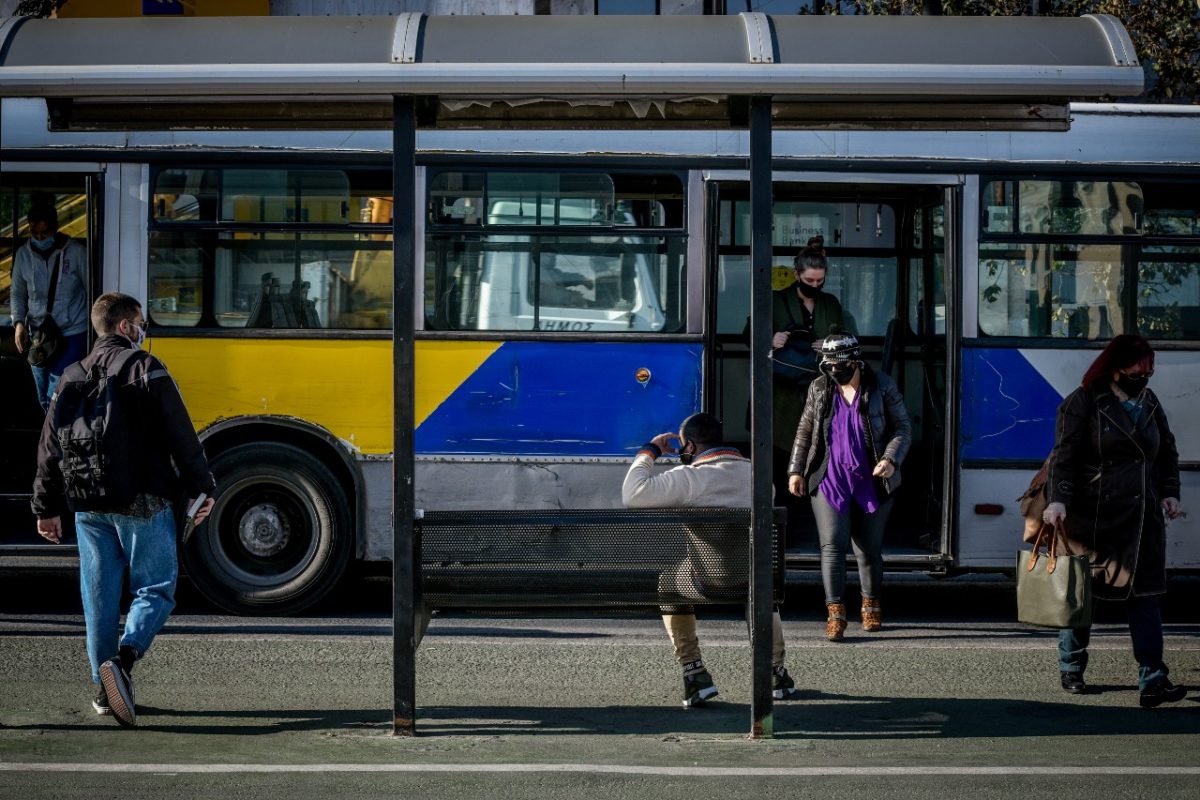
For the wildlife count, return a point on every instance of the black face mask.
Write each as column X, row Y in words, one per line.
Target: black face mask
column 686, row 458
column 1132, row 386
column 809, row 290
column 842, row 375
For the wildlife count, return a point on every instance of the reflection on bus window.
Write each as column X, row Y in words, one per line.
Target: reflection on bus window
column 1085, row 207
column 261, row 248
column 1034, row 281
column 1059, row 291
column 1168, row 297
column 527, row 274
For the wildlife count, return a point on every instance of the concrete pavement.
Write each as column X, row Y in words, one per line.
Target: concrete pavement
column 588, row 707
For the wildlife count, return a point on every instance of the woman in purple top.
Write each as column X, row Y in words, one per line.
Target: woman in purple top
column 851, row 439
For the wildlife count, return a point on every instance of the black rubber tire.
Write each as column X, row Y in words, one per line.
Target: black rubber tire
column 279, row 536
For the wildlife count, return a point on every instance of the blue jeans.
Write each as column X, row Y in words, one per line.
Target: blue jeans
column 108, row 543
column 45, row 378
column 1145, row 629
column 837, row 532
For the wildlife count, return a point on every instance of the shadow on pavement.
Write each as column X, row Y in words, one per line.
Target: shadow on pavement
column 834, row 717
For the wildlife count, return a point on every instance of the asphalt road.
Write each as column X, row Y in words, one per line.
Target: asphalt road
column 580, row 706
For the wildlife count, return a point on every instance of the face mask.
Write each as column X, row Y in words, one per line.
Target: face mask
column 809, row 290
column 685, row 458
column 43, row 245
column 139, row 335
column 842, row 375
column 1132, row 386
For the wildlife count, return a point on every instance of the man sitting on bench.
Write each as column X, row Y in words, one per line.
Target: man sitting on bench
column 710, row 475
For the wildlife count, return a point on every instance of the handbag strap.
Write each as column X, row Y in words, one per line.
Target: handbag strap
column 54, row 280
column 1054, row 531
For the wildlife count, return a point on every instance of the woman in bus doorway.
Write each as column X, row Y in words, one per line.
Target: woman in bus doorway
column 1112, row 476
column 846, row 456
column 802, row 315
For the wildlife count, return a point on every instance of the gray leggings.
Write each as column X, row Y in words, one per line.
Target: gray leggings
column 857, row 527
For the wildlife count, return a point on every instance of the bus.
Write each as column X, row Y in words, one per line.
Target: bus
column 581, row 291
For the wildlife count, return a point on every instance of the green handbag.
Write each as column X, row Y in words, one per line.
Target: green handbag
column 1053, row 592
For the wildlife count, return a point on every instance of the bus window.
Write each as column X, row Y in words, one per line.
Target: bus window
column 524, row 272
column 1168, row 297
column 271, row 248
column 1084, row 207
column 1036, row 282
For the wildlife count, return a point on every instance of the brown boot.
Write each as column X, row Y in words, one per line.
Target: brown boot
column 835, row 626
column 872, row 618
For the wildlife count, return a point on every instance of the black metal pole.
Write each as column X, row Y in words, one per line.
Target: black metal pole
column 761, row 588
column 405, row 560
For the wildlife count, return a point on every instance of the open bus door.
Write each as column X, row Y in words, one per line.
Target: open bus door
column 889, row 253
column 74, row 196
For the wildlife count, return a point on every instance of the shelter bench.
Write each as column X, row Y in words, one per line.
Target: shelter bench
column 590, row 558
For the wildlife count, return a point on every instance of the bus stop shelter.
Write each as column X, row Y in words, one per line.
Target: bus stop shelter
column 750, row 72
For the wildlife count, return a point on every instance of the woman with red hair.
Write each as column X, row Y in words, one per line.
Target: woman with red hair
column 1113, row 475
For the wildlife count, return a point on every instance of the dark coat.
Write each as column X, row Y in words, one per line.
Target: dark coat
column 172, row 463
column 1112, row 476
column 787, row 310
column 881, row 406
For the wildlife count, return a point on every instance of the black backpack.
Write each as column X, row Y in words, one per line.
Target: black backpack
column 98, row 435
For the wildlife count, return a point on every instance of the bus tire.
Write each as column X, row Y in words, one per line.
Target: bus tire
column 279, row 536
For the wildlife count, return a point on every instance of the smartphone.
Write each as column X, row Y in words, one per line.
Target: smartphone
column 189, row 519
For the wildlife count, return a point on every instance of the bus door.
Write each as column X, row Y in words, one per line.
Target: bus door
column 73, row 195
column 888, row 254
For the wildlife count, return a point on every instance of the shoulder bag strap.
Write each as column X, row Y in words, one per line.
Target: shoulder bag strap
column 54, row 280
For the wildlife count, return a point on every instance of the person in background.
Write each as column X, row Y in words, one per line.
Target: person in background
column 139, row 536
column 1112, row 482
column 33, row 266
column 848, row 447
column 717, row 476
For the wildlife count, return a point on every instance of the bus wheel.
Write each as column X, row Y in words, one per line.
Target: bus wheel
column 279, row 536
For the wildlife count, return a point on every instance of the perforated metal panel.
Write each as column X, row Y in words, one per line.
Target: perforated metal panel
column 646, row 557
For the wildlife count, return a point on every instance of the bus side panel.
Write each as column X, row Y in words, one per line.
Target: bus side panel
column 1010, row 402
column 567, row 399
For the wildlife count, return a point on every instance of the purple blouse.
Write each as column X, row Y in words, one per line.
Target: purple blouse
column 848, row 476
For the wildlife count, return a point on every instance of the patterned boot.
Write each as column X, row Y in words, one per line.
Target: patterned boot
column 835, row 626
column 872, row 618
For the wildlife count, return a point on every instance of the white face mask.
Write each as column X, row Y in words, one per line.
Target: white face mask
column 139, row 334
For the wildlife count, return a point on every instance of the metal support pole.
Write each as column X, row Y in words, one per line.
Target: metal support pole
column 405, row 558
column 761, row 583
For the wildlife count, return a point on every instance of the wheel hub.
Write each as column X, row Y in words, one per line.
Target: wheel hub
column 263, row 530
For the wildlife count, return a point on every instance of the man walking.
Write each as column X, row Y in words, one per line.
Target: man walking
column 711, row 475
column 142, row 456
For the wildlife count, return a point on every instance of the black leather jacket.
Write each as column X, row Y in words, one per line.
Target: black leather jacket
column 880, row 404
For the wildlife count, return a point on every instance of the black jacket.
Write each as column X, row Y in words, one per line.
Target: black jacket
column 172, row 463
column 889, row 432
column 1112, row 475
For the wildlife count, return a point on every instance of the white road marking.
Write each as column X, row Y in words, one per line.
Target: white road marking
column 605, row 769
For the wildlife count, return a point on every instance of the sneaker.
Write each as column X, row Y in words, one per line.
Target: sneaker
column 835, row 626
column 1161, row 691
column 697, row 685
column 1072, row 683
column 872, row 617
column 101, row 703
column 119, row 690
column 784, row 686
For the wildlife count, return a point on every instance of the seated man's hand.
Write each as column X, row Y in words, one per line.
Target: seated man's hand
column 665, row 442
